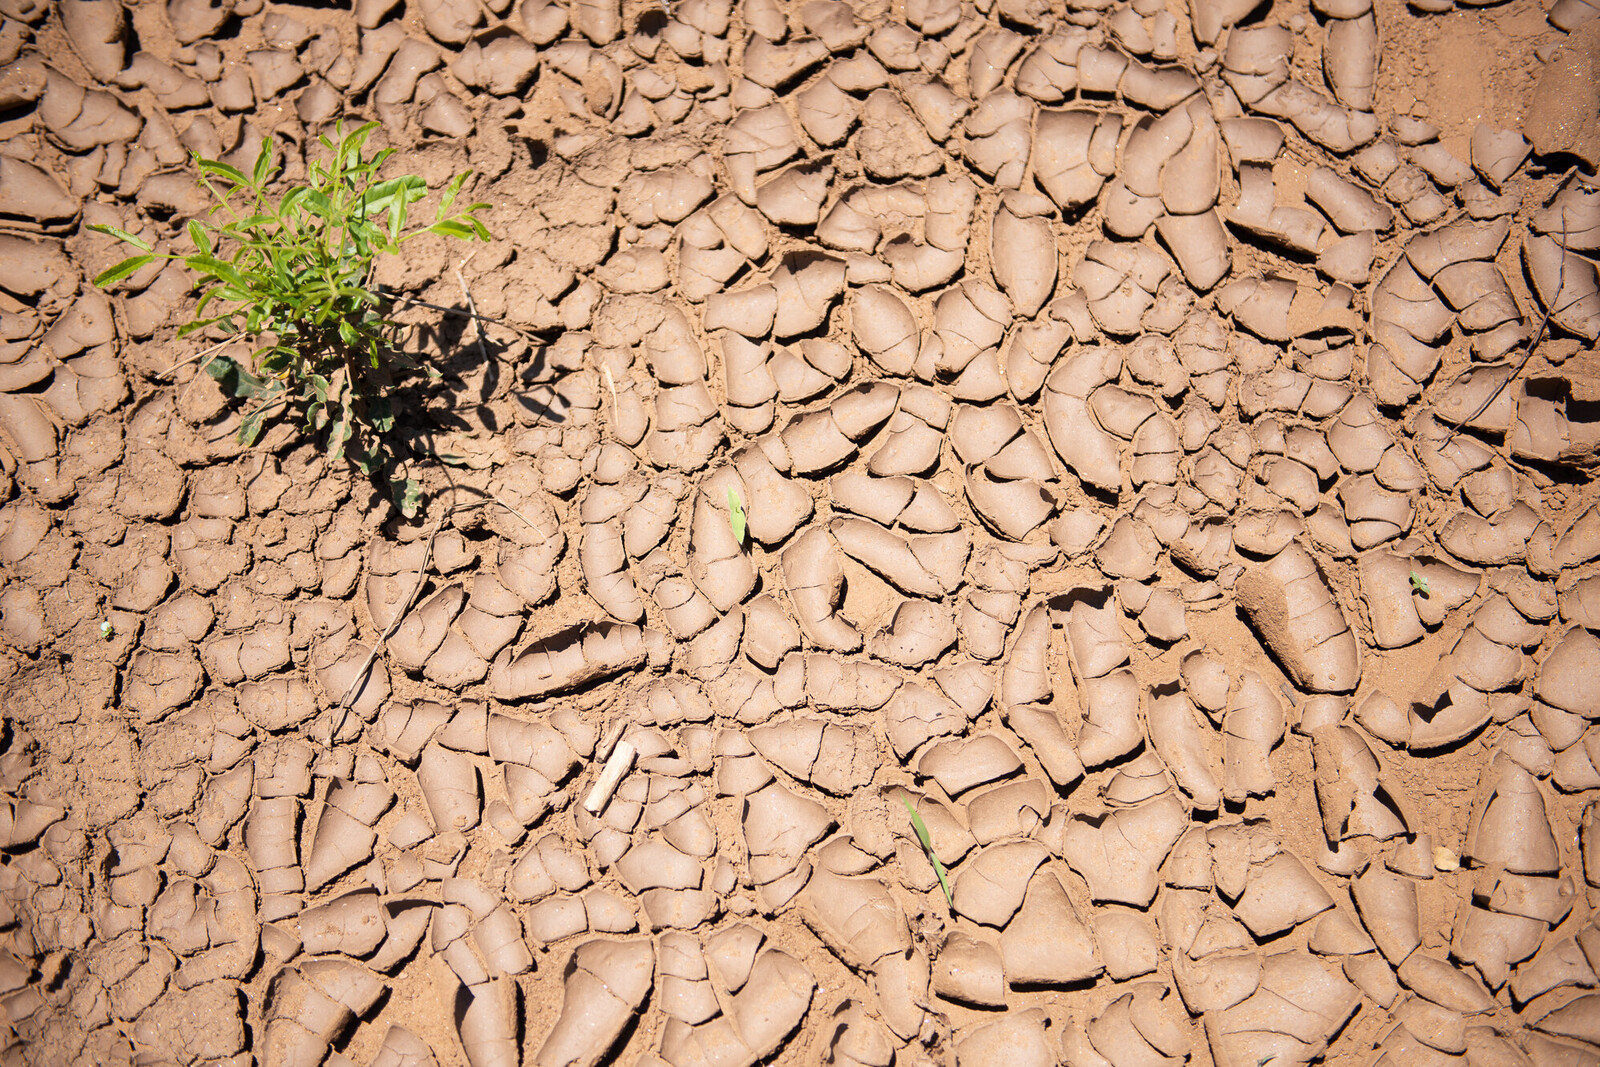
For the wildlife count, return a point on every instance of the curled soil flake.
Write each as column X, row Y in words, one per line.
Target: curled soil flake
column 605, row 984
column 1289, row 603
column 1509, row 826
column 1119, row 854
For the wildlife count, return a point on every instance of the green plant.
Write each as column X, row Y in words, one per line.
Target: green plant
column 736, row 516
column 1419, row 584
column 293, row 274
column 927, row 846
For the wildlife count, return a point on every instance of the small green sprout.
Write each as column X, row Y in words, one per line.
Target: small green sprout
column 292, row 276
column 736, row 518
column 107, row 631
column 1419, row 584
column 927, row 846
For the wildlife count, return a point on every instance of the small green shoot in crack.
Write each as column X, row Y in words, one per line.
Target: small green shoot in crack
column 107, row 631
column 1419, row 584
column 736, row 518
column 927, row 846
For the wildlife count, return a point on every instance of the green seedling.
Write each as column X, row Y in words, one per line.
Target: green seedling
column 1419, row 584
column 927, row 846
column 107, row 631
column 736, row 517
column 292, row 275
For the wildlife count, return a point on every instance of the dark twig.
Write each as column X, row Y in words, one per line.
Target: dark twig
column 1544, row 324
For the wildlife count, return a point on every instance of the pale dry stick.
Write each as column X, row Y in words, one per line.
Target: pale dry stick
column 477, row 327
column 202, row 354
column 617, row 765
column 360, row 678
column 612, row 384
column 1544, row 324
column 209, row 352
column 483, row 349
column 609, row 739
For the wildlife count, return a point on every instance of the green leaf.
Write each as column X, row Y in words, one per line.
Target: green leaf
column 233, row 378
column 927, row 846
column 121, row 270
column 317, row 202
column 452, row 191
column 250, row 428
column 736, row 517
column 355, row 140
column 1419, row 584
column 381, row 415
column 407, row 189
column 397, row 223
column 216, row 166
column 197, row 234
column 407, row 493
column 122, row 235
column 454, row 228
column 338, row 436
column 290, row 203
column 223, row 271
column 263, row 163
column 249, row 223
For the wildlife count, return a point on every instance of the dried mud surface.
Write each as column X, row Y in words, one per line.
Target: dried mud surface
column 1089, row 377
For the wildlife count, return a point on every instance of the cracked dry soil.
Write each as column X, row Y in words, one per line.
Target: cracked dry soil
column 1089, row 374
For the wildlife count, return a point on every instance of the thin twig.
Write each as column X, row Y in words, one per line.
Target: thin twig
column 616, row 408
column 1521, row 363
column 1544, row 323
column 513, row 327
column 360, row 678
column 202, row 354
column 616, row 765
column 477, row 327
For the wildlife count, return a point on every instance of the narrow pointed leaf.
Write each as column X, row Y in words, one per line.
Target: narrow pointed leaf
column 197, row 235
column 122, row 235
column 215, row 166
column 927, row 846
column 121, row 270
column 736, row 516
column 263, row 163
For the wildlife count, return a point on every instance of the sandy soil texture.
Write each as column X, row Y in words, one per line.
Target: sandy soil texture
column 1163, row 630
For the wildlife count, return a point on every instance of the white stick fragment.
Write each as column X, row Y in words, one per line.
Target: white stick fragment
column 616, row 766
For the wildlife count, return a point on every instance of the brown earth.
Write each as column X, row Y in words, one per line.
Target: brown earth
column 1090, row 379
